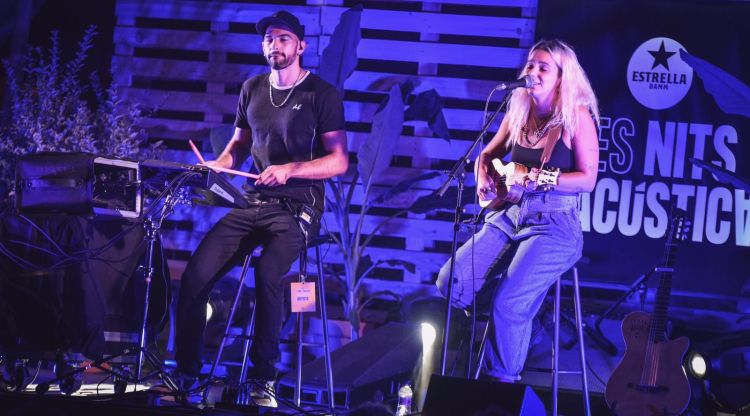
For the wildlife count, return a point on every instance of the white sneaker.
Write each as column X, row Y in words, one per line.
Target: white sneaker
column 263, row 394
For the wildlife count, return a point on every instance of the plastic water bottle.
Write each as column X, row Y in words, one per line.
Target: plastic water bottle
column 404, row 400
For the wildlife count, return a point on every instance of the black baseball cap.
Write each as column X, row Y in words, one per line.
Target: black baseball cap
column 281, row 18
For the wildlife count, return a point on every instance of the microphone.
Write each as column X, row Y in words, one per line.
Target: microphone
column 526, row 81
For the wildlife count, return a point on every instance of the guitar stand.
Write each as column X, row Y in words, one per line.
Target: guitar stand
column 640, row 286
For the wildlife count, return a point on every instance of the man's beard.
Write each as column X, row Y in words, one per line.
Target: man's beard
column 279, row 61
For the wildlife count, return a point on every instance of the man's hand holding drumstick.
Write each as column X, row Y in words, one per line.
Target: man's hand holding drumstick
column 212, row 164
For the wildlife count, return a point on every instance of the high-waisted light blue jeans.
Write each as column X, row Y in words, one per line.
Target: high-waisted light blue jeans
column 543, row 234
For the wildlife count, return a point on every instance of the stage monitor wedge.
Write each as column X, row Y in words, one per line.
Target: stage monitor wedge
column 450, row 396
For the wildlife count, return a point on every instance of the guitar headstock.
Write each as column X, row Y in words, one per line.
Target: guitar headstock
column 548, row 177
column 679, row 225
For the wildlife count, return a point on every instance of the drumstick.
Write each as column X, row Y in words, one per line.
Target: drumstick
column 219, row 168
column 196, row 152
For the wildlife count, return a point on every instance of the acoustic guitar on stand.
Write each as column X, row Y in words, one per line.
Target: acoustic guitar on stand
column 650, row 379
column 507, row 189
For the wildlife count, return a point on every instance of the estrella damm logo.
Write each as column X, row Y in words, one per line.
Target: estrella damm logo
column 657, row 77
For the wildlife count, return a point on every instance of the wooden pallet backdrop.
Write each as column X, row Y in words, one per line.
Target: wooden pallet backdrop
column 186, row 60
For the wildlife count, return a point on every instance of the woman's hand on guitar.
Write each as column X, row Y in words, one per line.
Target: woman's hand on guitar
column 532, row 178
column 519, row 179
column 485, row 188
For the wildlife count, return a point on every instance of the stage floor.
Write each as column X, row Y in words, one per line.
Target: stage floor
column 96, row 397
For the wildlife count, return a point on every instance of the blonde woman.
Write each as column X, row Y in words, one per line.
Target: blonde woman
column 534, row 234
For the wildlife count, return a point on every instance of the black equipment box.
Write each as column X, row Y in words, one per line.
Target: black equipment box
column 78, row 183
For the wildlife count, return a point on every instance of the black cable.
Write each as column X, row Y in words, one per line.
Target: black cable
column 38, row 367
column 100, row 383
column 68, row 259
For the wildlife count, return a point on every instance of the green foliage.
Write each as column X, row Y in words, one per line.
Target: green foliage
column 54, row 106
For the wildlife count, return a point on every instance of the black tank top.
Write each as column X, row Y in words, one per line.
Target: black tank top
column 561, row 156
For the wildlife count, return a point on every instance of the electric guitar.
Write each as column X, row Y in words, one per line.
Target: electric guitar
column 650, row 379
column 506, row 190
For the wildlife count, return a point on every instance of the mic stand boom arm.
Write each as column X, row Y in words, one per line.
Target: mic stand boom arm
column 457, row 172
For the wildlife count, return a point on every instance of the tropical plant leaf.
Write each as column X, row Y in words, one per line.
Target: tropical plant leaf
column 339, row 58
column 428, row 106
column 407, row 265
column 375, row 154
column 731, row 95
column 402, row 187
column 432, row 201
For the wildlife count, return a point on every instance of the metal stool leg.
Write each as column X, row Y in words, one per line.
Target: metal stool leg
column 302, row 277
column 324, row 317
column 480, row 353
column 298, row 384
column 556, row 347
column 248, row 333
column 581, row 344
column 235, row 301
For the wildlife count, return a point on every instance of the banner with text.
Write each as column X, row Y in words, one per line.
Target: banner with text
column 663, row 118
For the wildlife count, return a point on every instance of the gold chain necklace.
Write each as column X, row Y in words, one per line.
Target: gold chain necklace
column 538, row 133
column 270, row 90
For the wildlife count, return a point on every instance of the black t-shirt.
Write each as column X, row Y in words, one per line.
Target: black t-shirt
column 290, row 133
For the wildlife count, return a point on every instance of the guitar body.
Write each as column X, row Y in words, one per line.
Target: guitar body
column 668, row 390
column 504, row 192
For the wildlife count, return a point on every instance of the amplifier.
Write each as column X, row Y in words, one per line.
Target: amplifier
column 117, row 188
column 78, row 183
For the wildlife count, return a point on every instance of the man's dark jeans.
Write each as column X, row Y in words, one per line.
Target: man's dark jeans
column 267, row 224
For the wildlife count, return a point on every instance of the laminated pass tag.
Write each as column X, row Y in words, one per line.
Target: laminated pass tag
column 303, row 297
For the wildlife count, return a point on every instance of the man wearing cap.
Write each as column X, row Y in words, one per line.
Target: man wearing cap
column 292, row 124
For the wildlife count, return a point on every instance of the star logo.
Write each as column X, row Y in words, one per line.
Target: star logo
column 656, row 78
column 297, row 107
column 661, row 57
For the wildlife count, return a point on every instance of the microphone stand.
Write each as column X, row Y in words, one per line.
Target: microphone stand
column 457, row 172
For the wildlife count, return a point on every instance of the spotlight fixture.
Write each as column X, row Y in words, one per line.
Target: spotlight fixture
column 723, row 364
column 209, row 311
column 697, row 365
column 428, row 335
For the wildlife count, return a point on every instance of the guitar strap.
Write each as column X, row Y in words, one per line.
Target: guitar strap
column 555, row 134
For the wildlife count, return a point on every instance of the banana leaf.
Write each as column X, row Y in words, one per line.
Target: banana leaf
column 428, row 106
column 402, row 187
column 432, row 201
column 731, row 95
column 375, row 154
column 339, row 58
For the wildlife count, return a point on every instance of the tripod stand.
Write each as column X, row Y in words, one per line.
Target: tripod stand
column 152, row 226
column 185, row 184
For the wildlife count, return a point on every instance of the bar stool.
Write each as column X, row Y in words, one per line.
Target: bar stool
column 555, row 370
column 247, row 335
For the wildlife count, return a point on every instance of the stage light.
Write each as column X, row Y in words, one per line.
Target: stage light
column 726, row 371
column 697, row 365
column 428, row 335
column 209, row 311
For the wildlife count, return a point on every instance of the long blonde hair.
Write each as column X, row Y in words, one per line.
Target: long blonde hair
column 575, row 90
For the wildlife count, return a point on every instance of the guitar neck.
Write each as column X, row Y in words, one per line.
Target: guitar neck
column 666, row 271
column 663, row 294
